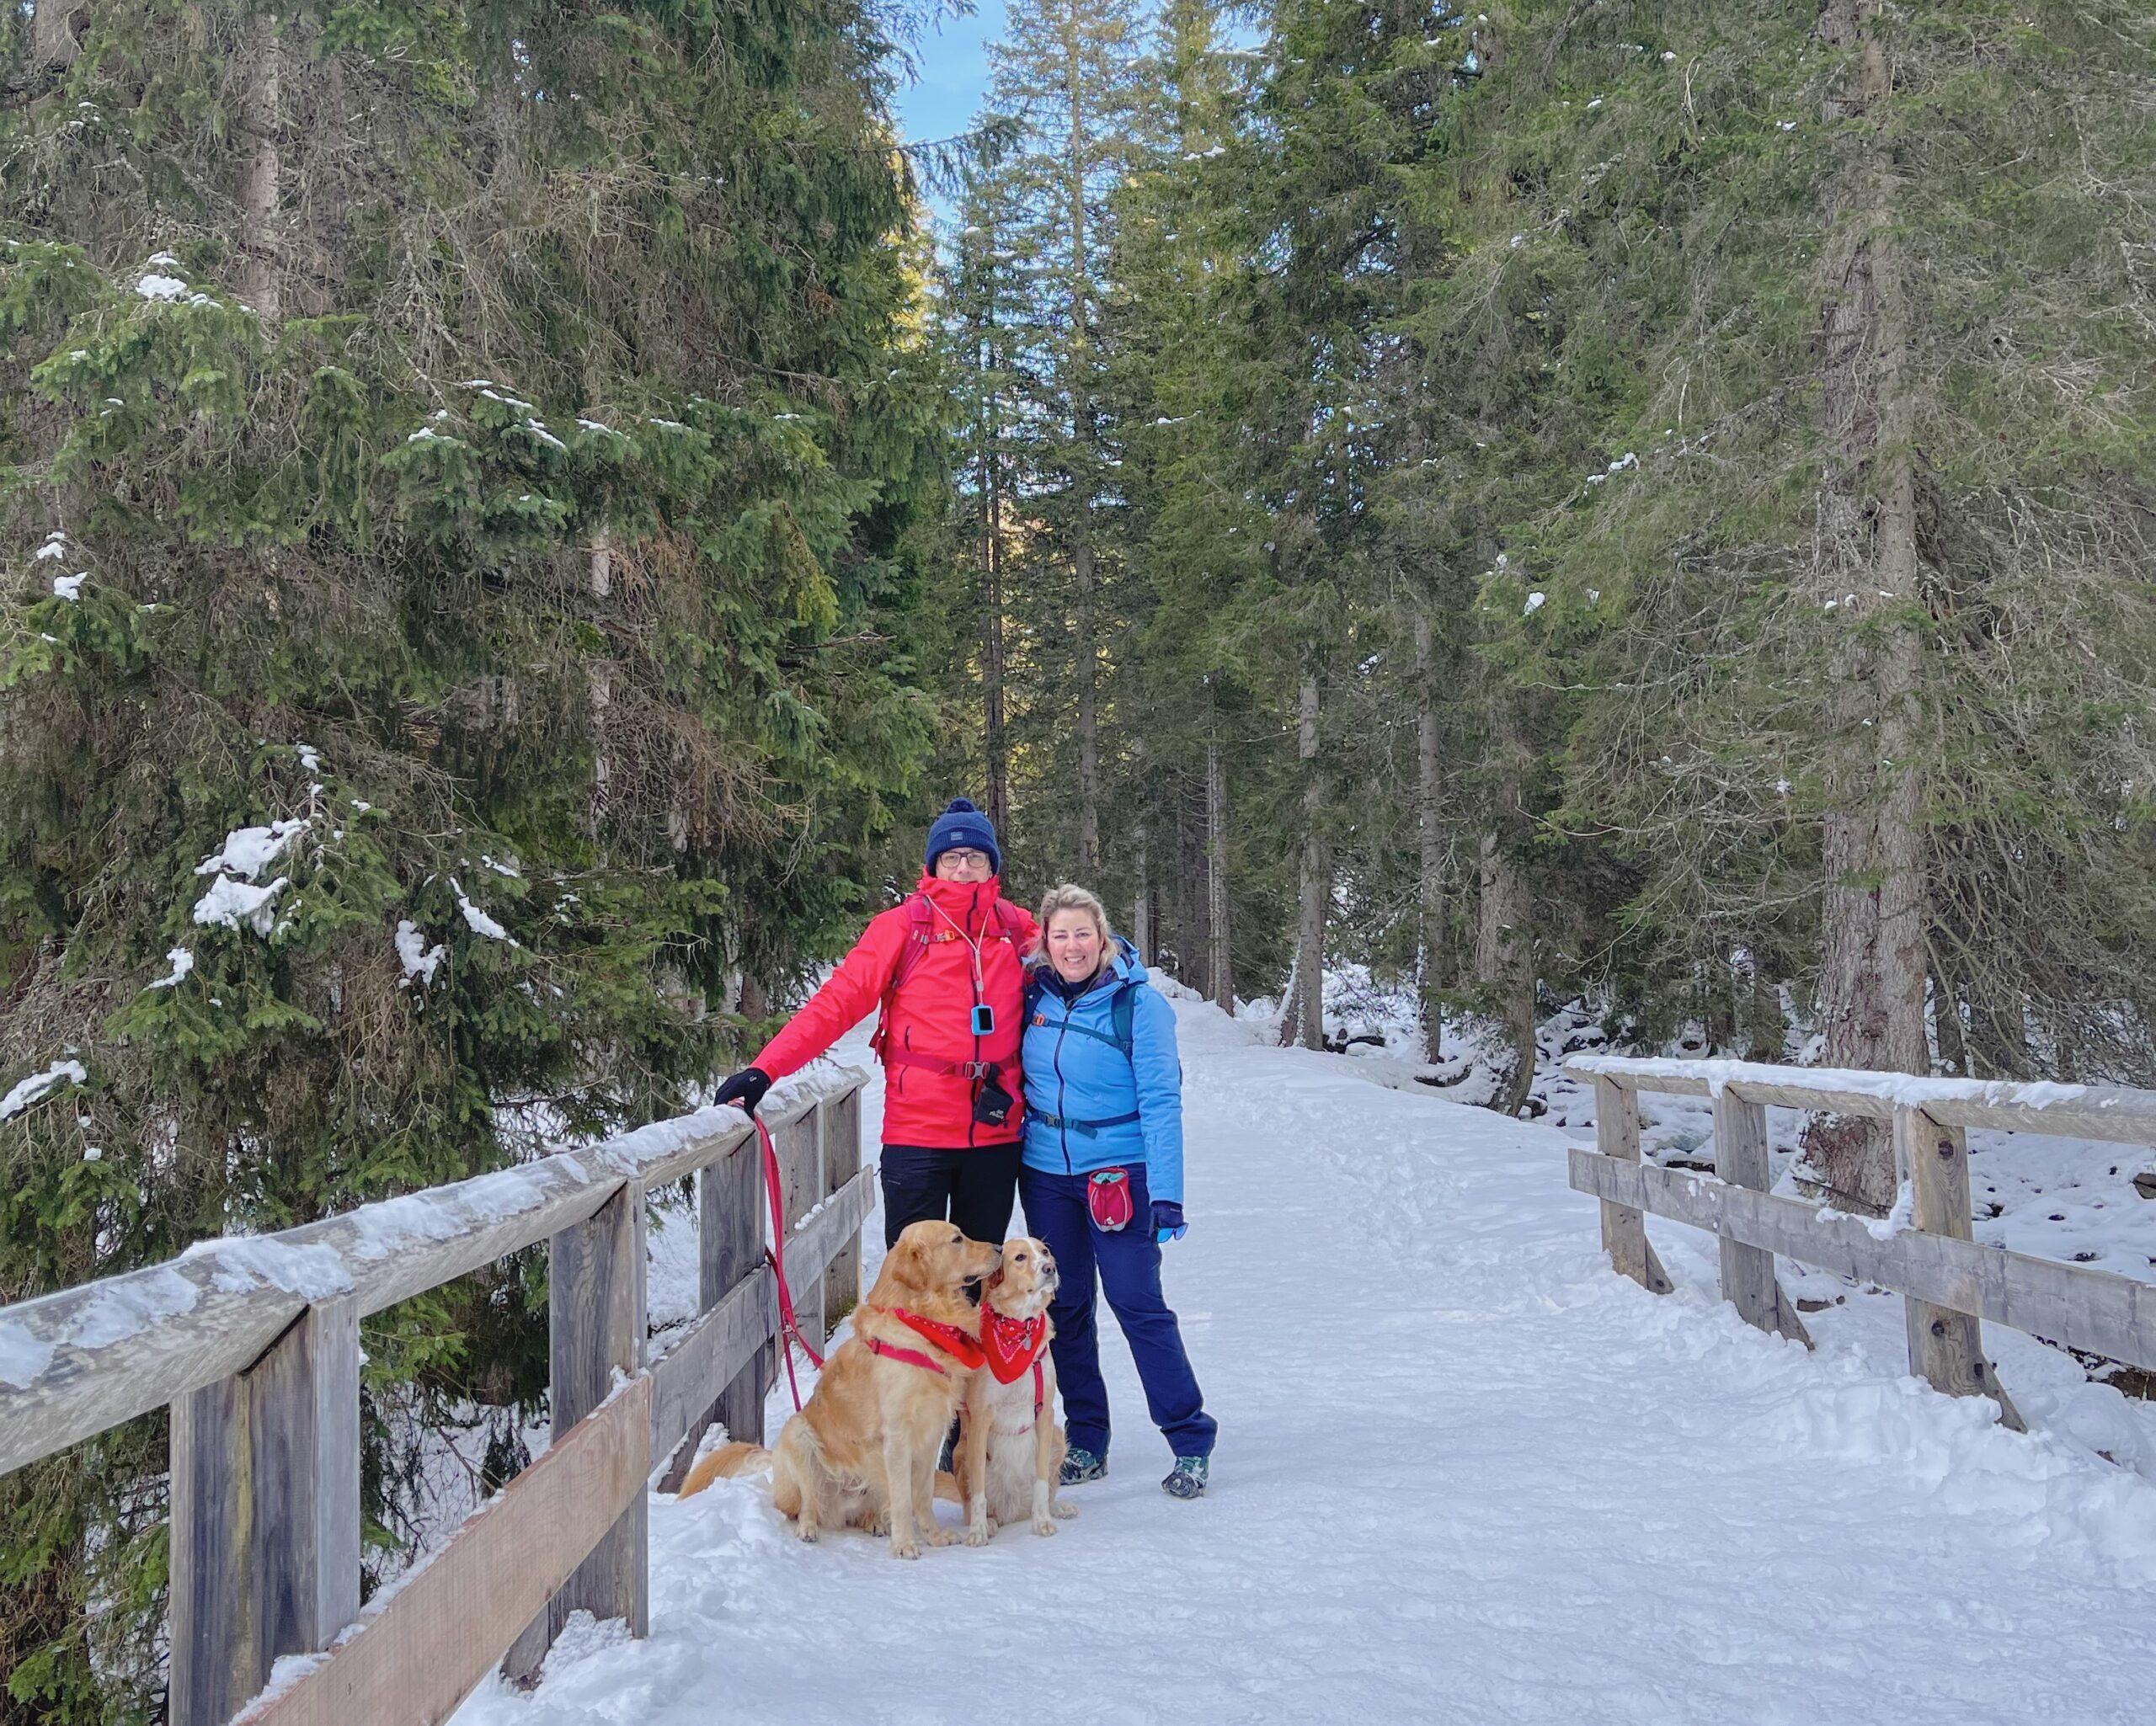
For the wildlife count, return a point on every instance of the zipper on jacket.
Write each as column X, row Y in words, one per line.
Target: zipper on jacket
column 980, row 964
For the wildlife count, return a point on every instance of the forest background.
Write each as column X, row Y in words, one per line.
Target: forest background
column 514, row 523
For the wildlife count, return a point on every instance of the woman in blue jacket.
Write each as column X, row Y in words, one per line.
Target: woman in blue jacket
column 1102, row 1178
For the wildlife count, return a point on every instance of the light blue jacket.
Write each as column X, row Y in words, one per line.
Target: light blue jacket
column 1079, row 1087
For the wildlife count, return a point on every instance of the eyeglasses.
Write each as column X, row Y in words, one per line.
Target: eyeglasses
column 962, row 856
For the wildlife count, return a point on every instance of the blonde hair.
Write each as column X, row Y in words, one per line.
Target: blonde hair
column 1071, row 897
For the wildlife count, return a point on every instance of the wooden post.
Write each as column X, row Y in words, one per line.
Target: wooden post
column 1625, row 1230
column 1946, row 1345
column 265, row 1514
column 1748, row 1282
column 596, row 1327
column 841, row 1162
column 801, row 1186
column 729, row 1246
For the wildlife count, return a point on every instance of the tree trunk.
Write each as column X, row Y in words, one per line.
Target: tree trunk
column 1429, row 895
column 261, row 268
column 1219, row 963
column 1873, row 957
column 995, row 745
column 52, row 33
column 1946, row 1017
column 1089, row 744
column 1190, row 900
column 1084, row 427
column 1503, row 966
column 598, row 678
column 1303, row 1017
column 1141, row 896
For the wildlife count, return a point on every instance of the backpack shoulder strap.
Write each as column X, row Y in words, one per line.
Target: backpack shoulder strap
column 909, row 955
column 1030, row 1001
column 1121, row 1011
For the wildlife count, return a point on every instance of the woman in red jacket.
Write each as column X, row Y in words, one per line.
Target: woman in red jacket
column 945, row 966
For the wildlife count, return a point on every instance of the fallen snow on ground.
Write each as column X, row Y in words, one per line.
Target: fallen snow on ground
column 1466, row 1473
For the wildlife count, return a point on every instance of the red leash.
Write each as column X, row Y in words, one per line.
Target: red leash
column 789, row 1327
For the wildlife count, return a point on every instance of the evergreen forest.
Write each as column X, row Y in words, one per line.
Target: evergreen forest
column 515, row 515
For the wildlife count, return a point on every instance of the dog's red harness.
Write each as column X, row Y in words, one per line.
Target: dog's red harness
column 949, row 1338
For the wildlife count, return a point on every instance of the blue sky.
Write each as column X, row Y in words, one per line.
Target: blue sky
column 953, row 74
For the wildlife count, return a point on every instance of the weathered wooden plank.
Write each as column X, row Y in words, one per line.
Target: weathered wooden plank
column 719, row 1345
column 841, row 1163
column 832, row 1227
column 801, row 1177
column 415, row 1656
column 2109, row 1112
column 1624, row 1231
column 1946, row 1343
column 265, row 1514
column 2118, row 1113
column 701, row 1154
column 1748, row 1282
column 124, row 1345
column 712, row 1353
column 729, row 1246
column 596, row 1327
column 2072, row 1305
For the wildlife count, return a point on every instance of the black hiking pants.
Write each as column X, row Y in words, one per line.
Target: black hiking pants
column 974, row 1188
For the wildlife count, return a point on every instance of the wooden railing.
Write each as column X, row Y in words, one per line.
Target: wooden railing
column 1949, row 1282
column 255, row 1343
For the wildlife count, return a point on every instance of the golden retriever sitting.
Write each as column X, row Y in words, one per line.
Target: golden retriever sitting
column 862, row 1453
column 1010, row 1447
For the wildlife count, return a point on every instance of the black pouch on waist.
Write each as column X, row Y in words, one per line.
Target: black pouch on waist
column 992, row 1104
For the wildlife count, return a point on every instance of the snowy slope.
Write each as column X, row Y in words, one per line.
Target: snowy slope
column 1465, row 1474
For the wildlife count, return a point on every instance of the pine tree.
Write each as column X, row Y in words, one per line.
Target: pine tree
column 467, row 475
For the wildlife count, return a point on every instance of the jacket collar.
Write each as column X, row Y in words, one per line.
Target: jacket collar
column 969, row 903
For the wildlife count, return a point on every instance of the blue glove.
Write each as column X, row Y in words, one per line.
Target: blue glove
column 1167, row 1222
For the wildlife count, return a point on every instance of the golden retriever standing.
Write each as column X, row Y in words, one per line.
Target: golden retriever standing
column 862, row 1453
column 1010, row 1446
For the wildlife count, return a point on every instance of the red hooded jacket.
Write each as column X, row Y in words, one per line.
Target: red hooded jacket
column 932, row 1012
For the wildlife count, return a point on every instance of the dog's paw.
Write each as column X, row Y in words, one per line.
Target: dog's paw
column 1063, row 1509
column 905, row 1549
column 806, row 1533
column 1043, row 1525
column 933, row 1536
column 979, row 1533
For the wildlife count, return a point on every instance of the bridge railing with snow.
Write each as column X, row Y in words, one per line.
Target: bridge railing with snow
column 255, row 1343
column 1925, row 1252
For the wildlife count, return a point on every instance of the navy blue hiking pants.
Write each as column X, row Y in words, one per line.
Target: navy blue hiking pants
column 1128, row 1264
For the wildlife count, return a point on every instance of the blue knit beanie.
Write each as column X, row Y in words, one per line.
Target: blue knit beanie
column 962, row 825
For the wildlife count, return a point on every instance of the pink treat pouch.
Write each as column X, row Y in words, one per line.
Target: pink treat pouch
column 1107, row 1194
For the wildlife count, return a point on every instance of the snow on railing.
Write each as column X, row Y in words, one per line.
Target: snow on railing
column 254, row 1341
column 1928, row 1254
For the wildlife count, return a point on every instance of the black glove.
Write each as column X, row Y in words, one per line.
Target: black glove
column 747, row 1088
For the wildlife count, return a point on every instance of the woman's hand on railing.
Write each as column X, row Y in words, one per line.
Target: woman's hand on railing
column 1167, row 1222
column 747, row 1088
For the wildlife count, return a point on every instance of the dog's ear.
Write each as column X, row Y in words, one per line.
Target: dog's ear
column 903, row 1263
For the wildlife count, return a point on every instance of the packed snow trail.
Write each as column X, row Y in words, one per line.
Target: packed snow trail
column 1466, row 1473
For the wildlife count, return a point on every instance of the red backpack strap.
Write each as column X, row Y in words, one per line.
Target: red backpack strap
column 909, row 955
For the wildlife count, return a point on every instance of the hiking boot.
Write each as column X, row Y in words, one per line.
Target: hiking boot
column 1080, row 1467
column 1187, row 1479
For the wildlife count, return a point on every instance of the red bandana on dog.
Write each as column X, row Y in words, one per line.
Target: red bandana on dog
column 947, row 1337
column 1012, row 1345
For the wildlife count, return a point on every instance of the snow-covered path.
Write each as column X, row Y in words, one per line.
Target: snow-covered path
column 1464, row 1474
